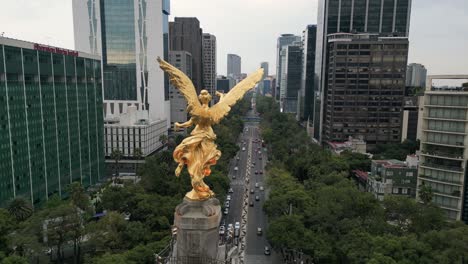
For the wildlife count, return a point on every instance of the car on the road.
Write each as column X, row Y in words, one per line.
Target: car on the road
column 251, row 204
column 259, row 231
column 243, row 148
column 230, row 227
column 256, row 172
column 252, row 190
column 236, row 168
column 260, row 172
column 256, row 185
column 237, row 225
column 260, row 158
column 257, row 198
column 231, row 190
column 253, row 162
column 228, row 197
column 233, row 176
column 221, row 230
column 226, row 211
column 226, row 204
column 267, row 251
column 238, row 158
column 261, row 188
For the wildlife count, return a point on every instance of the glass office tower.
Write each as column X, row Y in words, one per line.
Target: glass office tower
column 51, row 120
column 383, row 17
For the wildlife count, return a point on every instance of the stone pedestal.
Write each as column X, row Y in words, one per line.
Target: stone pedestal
column 197, row 230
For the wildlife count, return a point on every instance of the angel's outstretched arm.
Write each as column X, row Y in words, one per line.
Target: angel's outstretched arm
column 183, row 125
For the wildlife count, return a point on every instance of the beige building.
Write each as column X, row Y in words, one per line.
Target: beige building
column 443, row 131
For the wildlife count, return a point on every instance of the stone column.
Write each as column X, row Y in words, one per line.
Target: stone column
column 197, row 230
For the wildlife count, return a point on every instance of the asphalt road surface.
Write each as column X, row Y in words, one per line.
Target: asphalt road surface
column 255, row 243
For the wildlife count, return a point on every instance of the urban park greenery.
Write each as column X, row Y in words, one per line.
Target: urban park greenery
column 315, row 208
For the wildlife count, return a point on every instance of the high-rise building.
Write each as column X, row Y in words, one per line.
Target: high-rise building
column 224, row 84
column 283, row 40
column 383, row 17
column 182, row 60
column 128, row 35
column 209, row 63
column 307, row 92
column 416, row 75
column 365, row 88
column 409, row 122
column 444, row 146
column 233, row 66
column 51, row 121
column 264, row 66
column 185, row 34
column 290, row 77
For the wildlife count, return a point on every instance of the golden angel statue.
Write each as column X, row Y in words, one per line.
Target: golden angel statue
column 198, row 151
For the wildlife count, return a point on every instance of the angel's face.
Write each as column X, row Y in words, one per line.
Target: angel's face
column 204, row 97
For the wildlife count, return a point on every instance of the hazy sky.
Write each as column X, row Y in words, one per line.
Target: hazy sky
column 249, row 28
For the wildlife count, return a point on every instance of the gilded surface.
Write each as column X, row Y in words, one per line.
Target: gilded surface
column 198, row 151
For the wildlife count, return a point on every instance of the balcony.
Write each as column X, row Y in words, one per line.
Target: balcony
column 442, row 181
column 442, row 167
column 444, row 119
column 445, row 132
column 447, row 106
column 456, row 145
column 442, row 155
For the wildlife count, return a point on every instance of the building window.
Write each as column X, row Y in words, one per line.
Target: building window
column 404, row 191
column 395, row 190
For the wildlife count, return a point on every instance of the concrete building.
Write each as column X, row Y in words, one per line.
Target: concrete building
column 365, row 88
column 416, row 75
column 209, row 63
column 185, row 34
column 386, row 18
column 443, row 133
column 129, row 36
column 283, row 40
column 356, row 145
column 306, row 95
column 392, row 177
column 133, row 130
column 182, row 60
column 291, row 56
column 50, row 120
column 233, row 66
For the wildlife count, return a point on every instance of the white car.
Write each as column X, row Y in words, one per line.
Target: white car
column 237, row 225
column 243, row 149
column 236, row 168
column 226, row 204
column 261, row 188
column 257, row 185
column 221, row 230
column 226, row 211
column 228, row 198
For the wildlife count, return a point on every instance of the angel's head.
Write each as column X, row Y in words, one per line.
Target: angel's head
column 204, row 97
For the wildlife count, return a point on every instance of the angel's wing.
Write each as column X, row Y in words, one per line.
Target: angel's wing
column 222, row 108
column 182, row 83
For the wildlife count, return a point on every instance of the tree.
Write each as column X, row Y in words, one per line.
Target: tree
column 163, row 139
column 7, row 225
column 116, row 155
column 20, row 208
column 137, row 155
column 15, row 260
column 78, row 196
column 425, row 194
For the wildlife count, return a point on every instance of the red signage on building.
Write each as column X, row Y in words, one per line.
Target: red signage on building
column 55, row 50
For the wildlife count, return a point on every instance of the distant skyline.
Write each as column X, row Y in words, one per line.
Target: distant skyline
column 249, row 28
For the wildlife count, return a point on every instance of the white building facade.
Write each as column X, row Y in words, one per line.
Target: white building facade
column 182, row 60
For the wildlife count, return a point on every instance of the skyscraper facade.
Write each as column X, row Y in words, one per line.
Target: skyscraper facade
column 416, row 75
column 128, row 35
column 209, row 63
column 444, row 147
column 365, row 88
column 307, row 92
column 291, row 77
column 185, row 34
column 383, row 17
column 233, row 66
column 51, row 121
column 283, row 40
column 264, row 66
column 182, row 60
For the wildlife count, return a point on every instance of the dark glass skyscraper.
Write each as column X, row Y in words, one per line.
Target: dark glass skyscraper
column 382, row 17
column 307, row 93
